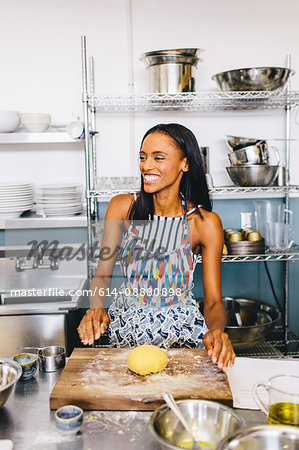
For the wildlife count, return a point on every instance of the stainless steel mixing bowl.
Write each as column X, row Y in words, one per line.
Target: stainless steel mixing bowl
column 237, row 142
column 253, row 79
column 258, row 319
column 10, row 372
column 210, row 422
column 261, row 437
column 252, row 175
column 252, row 154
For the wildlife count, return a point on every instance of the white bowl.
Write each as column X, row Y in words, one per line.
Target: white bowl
column 36, row 123
column 36, row 127
column 9, row 121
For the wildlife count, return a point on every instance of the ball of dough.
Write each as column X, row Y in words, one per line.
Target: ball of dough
column 147, row 359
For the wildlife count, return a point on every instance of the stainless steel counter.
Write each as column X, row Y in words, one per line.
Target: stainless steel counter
column 27, row 420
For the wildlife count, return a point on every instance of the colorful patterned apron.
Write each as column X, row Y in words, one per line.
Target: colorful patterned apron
column 155, row 304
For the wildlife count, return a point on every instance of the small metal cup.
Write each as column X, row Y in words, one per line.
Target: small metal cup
column 235, row 237
column 253, row 236
column 51, row 358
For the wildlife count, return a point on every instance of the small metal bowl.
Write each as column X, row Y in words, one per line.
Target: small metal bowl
column 210, row 422
column 261, row 437
column 28, row 362
column 253, row 79
column 10, row 372
column 252, row 174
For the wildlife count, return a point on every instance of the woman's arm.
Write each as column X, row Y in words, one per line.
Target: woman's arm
column 96, row 320
column 210, row 233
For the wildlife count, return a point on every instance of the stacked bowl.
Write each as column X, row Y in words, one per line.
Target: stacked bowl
column 35, row 123
column 249, row 162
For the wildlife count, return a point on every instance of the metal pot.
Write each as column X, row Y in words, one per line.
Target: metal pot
column 51, row 358
column 258, row 319
column 171, row 71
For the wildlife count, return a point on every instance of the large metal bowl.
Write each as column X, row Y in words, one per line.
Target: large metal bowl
column 261, row 437
column 253, row 175
column 210, row 422
column 178, row 56
column 10, row 372
column 253, row 79
column 258, row 319
column 237, row 142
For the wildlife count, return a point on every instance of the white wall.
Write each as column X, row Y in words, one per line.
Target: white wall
column 41, row 72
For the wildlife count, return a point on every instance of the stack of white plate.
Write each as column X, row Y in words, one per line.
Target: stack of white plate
column 15, row 198
column 59, row 200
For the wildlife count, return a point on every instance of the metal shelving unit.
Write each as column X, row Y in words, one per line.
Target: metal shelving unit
column 195, row 101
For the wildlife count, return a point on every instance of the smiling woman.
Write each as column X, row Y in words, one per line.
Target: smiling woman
column 166, row 226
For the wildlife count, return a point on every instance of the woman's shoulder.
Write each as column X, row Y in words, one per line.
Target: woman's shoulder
column 207, row 222
column 119, row 206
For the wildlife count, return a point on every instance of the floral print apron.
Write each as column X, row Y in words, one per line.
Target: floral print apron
column 155, row 304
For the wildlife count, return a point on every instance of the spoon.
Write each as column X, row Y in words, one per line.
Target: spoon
column 174, row 407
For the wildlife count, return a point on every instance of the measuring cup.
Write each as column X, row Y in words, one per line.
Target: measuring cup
column 51, row 358
column 282, row 407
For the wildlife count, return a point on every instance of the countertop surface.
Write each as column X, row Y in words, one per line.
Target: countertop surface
column 27, row 420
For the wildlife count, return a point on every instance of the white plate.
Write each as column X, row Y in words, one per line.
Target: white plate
column 58, row 205
column 10, row 215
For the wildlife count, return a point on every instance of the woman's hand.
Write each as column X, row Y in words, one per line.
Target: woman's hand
column 219, row 348
column 94, row 323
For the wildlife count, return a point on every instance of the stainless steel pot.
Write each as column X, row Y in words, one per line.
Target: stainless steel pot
column 171, row 71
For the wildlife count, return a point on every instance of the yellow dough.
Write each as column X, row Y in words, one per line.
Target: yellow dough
column 147, row 359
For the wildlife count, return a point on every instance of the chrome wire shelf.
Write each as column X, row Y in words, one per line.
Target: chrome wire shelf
column 269, row 255
column 194, row 101
column 107, row 193
column 276, row 346
column 253, row 189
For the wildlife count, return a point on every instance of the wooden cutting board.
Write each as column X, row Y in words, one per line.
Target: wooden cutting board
column 99, row 379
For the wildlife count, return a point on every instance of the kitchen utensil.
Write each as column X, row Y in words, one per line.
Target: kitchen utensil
column 108, row 384
column 28, row 362
column 9, row 121
column 171, row 70
column 258, row 319
column 75, row 130
column 279, row 235
column 51, row 358
column 237, row 142
column 174, row 407
column 261, row 437
column 252, row 175
column 210, row 421
column 282, row 405
column 10, row 372
column 266, row 213
column 253, row 154
column 205, row 152
column 69, row 419
column 253, row 79
column 35, row 123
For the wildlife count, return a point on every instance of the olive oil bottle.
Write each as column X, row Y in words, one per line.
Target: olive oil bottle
column 284, row 413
